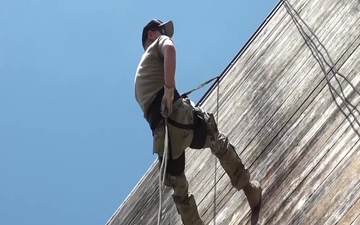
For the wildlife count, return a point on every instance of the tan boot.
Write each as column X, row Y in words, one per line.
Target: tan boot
column 253, row 194
column 188, row 210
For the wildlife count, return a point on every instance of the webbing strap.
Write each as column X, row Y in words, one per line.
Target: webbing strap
column 200, row 86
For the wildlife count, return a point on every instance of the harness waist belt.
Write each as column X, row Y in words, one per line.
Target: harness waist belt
column 199, row 126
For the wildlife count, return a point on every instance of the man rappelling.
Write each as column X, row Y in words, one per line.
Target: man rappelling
column 187, row 125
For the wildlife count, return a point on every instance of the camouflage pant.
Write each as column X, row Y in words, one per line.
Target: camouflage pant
column 180, row 139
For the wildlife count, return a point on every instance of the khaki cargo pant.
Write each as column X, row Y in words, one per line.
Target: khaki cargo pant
column 180, row 139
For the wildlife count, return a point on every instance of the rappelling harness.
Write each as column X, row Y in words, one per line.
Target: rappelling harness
column 154, row 117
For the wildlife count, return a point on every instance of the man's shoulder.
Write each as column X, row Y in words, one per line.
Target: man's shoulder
column 161, row 39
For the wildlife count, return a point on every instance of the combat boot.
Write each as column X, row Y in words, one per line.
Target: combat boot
column 188, row 210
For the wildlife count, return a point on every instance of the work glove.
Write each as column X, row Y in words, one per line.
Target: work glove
column 167, row 101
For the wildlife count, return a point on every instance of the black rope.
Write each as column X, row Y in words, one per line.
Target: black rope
column 320, row 58
column 200, row 86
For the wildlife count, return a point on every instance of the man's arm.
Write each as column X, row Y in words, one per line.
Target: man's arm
column 169, row 53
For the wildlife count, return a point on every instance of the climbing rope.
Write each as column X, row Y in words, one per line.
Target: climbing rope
column 163, row 168
column 215, row 159
column 320, row 58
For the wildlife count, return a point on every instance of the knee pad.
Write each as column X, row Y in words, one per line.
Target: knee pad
column 175, row 167
column 200, row 128
column 194, row 119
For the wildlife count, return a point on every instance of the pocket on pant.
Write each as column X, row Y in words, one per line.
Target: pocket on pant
column 181, row 138
column 158, row 139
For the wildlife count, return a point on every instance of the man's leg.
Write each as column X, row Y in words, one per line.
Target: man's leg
column 185, row 203
column 179, row 140
column 232, row 164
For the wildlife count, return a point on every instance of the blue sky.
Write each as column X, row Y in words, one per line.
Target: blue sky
column 73, row 142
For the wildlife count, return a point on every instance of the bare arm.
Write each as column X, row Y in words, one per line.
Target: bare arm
column 169, row 53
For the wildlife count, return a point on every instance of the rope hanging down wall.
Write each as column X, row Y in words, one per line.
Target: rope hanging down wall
column 323, row 58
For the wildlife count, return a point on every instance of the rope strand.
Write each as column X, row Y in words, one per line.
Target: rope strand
column 217, row 123
column 163, row 168
column 320, row 58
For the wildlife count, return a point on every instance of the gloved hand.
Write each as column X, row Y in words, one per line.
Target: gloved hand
column 167, row 101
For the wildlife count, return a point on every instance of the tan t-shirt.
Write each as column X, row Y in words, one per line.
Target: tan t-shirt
column 149, row 77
